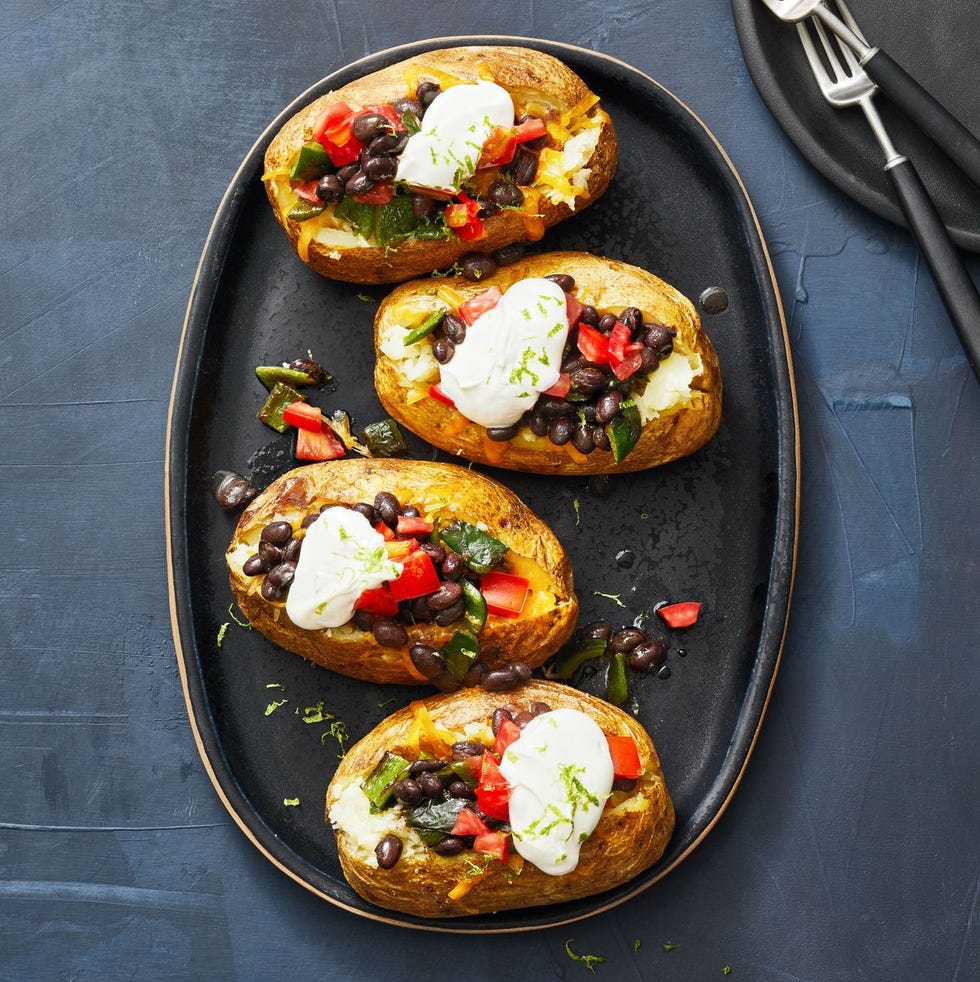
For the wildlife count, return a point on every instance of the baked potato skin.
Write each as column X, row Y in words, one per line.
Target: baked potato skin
column 625, row 842
column 517, row 70
column 606, row 284
column 530, row 638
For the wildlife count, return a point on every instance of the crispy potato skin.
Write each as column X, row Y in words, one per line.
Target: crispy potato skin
column 606, row 284
column 624, row 844
column 530, row 638
column 520, row 71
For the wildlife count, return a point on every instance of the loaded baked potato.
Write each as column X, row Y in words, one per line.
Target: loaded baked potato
column 407, row 169
column 561, row 363
column 402, row 571
column 475, row 802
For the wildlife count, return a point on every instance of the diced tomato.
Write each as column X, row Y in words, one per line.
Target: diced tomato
column 303, row 416
column 307, row 191
column 530, row 129
column 469, row 823
column 574, row 308
column 561, row 387
column 504, row 593
column 496, row 844
column 498, row 148
column 418, row 578
column 384, row 529
column 681, row 614
column 380, row 194
column 492, row 790
column 480, row 304
column 377, row 601
column 625, row 368
column 389, row 113
column 437, row 393
column 593, row 344
column 472, row 765
column 413, row 526
column 318, row 445
column 463, row 217
column 625, row 757
column 508, row 732
column 333, row 132
column 619, row 337
column 399, row 550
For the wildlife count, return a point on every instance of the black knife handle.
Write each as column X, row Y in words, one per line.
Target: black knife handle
column 950, row 274
column 959, row 144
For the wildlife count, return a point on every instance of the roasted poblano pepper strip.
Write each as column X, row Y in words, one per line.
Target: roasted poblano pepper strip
column 304, row 210
column 480, row 551
column 378, row 784
column 475, row 603
column 624, row 430
column 269, row 375
column 358, row 215
column 279, row 398
column 459, row 652
column 426, row 327
column 384, row 439
column 311, row 162
column 434, row 819
column 617, row 684
column 394, row 221
column 569, row 662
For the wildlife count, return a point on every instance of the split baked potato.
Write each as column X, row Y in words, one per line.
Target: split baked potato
column 508, row 595
column 425, row 873
column 551, row 152
column 658, row 370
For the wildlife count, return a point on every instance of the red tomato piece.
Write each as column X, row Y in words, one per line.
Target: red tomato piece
column 681, row 614
column 530, row 129
column 389, row 113
column 508, row 732
column 504, row 593
column 496, row 844
column 333, row 132
column 480, row 304
column 318, row 445
column 307, row 191
column 492, row 791
column 625, row 368
column 418, row 578
column 385, row 530
column 377, row 601
column 574, row 308
column 469, row 823
column 380, row 194
column 625, row 757
column 619, row 337
column 498, row 148
column 400, row 549
column 303, row 416
column 463, row 217
column 561, row 387
column 413, row 526
column 593, row 344
column 437, row 393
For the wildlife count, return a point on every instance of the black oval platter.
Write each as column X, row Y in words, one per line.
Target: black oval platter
column 719, row 527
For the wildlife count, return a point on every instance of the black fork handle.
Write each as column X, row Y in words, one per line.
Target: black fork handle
column 948, row 270
column 959, row 144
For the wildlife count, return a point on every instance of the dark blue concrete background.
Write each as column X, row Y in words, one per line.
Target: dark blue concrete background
column 851, row 850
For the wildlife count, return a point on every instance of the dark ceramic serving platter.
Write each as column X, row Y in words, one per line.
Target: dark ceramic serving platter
column 936, row 43
column 719, row 527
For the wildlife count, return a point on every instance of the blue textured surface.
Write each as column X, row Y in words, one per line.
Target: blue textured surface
column 850, row 850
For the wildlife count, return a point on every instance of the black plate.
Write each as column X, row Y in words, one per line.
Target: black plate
column 936, row 43
column 719, row 527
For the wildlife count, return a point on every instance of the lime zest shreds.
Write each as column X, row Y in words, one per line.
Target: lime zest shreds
column 273, row 706
column 290, row 802
column 222, row 631
column 231, row 614
column 589, row 961
column 610, row 596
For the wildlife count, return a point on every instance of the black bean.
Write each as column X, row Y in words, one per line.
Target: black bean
column 278, row 533
column 369, row 125
column 293, row 548
column 647, row 656
column 566, row 282
column 312, row 368
column 658, row 338
column 460, row 789
column 420, row 610
column 474, row 673
column 363, row 508
column 649, row 361
column 282, row 575
column 389, row 633
column 587, row 412
column 427, row 764
column 589, row 315
column 501, row 434
column 627, row 639
column 632, row 317
column 477, row 265
column 408, row 105
column 523, row 718
column 508, row 254
column 388, row 851
column 552, row 406
column 380, row 168
column 600, row 438
column 500, row 680
column 522, row 670
column 363, row 619
column 624, row 783
column 347, row 172
column 597, row 630
column 308, row 521
column 538, row 423
column 588, row 380
column 451, row 614
column 607, row 322
column 269, row 591
column 408, row 791
column 525, row 166
column 387, row 507
column 387, row 145
column 452, row 566
column 582, row 439
column 231, row 490
column 422, row 206
column 447, row 595
column 505, row 194
column 443, row 351
column 360, row 183
column 452, row 845
column 410, row 511
column 431, row 784
column 454, row 328
column 560, row 431
column 253, row 565
column 329, row 189
column 427, row 660
column 608, row 406
column 434, row 551
column 572, row 362
column 539, row 707
column 271, row 555
column 445, row 681
column 426, row 91
column 467, row 748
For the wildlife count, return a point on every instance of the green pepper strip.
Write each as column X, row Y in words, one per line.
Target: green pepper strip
column 475, row 603
column 617, row 685
column 268, row 375
column 624, row 430
column 460, row 651
column 481, row 552
column 378, row 784
column 384, row 438
column 280, row 397
column 426, row 327
column 569, row 662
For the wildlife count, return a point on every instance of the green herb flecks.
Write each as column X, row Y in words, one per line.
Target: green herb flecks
column 589, row 961
column 246, row 624
column 610, row 596
column 667, row 946
column 222, row 631
column 273, row 706
column 291, row 802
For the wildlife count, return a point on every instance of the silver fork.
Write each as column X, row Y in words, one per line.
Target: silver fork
column 844, row 83
column 959, row 144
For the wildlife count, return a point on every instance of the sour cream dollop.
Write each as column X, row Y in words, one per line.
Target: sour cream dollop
column 342, row 556
column 444, row 154
column 511, row 354
column 561, row 774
